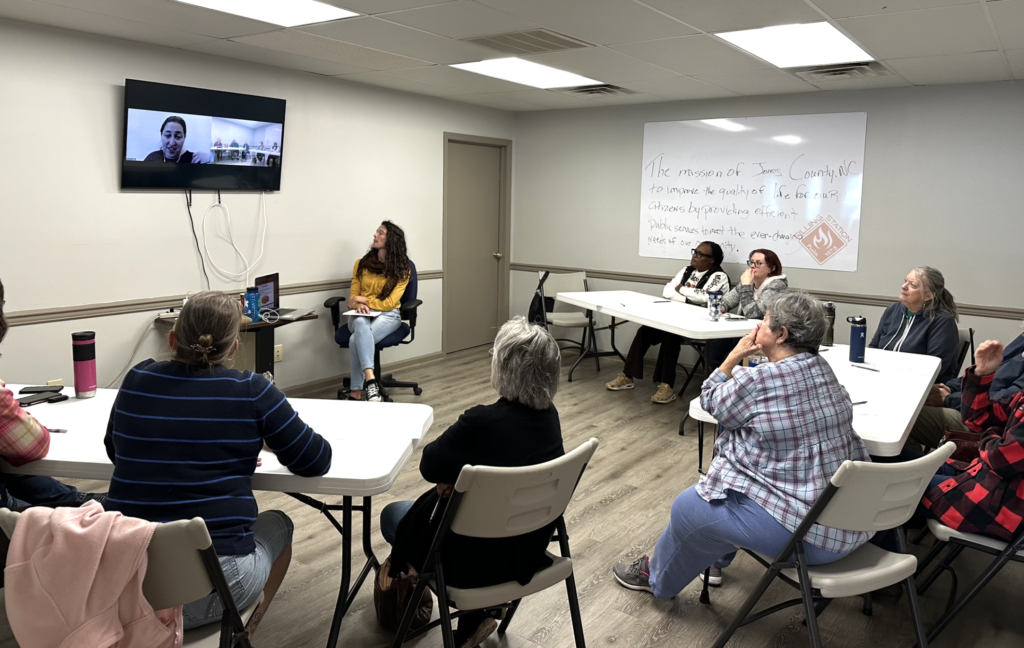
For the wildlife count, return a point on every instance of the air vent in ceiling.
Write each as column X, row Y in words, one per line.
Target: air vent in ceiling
column 839, row 72
column 600, row 90
column 534, row 41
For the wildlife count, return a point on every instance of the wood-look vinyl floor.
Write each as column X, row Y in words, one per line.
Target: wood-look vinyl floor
column 618, row 512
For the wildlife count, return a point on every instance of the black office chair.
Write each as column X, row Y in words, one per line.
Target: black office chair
column 409, row 304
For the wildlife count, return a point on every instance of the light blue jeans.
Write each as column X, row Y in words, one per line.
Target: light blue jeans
column 365, row 333
column 246, row 575
column 701, row 533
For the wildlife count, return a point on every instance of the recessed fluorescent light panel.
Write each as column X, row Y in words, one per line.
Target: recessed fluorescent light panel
column 528, row 73
column 787, row 139
column 725, row 124
column 287, row 13
column 798, row 45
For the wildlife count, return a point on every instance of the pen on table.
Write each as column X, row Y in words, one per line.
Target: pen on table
column 860, row 403
column 863, row 367
column 662, row 301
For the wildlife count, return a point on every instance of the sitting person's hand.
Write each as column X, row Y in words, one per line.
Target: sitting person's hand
column 747, row 346
column 937, row 395
column 988, row 357
column 445, row 490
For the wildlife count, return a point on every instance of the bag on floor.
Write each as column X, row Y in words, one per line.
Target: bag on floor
column 968, row 445
column 391, row 595
column 540, row 305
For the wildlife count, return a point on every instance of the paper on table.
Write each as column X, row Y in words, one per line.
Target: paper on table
column 372, row 313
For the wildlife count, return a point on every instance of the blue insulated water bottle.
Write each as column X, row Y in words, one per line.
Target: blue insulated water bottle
column 858, row 337
column 252, row 303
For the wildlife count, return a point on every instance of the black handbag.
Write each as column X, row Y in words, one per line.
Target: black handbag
column 540, row 305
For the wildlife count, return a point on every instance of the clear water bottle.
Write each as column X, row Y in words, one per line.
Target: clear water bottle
column 830, row 315
column 714, row 304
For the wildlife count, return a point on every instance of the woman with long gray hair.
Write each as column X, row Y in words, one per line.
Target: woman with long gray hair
column 924, row 321
column 787, row 426
column 520, row 429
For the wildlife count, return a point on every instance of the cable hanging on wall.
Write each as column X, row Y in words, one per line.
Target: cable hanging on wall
column 244, row 274
column 192, row 222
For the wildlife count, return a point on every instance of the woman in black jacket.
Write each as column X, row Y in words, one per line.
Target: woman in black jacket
column 520, row 429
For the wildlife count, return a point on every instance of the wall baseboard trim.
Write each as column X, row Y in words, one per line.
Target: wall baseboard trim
column 976, row 310
column 107, row 309
column 312, row 388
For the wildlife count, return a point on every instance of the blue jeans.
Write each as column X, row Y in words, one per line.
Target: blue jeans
column 246, row 575
column 701, row 533
column 31, row 490
column 390, row 517
column 366, row 332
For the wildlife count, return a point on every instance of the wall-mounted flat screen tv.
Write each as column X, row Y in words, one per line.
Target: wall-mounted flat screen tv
column 177, row 137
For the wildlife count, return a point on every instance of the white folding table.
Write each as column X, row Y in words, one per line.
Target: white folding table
column 370, row 442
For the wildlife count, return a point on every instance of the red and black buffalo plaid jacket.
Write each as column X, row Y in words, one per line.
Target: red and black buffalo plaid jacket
column 988, row 496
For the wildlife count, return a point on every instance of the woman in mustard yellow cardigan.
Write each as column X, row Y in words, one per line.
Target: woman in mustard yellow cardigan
column 378, row 282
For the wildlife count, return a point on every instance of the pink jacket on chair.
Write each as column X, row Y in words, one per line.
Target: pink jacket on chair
column 74, row 579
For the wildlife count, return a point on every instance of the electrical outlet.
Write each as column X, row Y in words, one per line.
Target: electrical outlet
column 57, row 382
column 278, row 353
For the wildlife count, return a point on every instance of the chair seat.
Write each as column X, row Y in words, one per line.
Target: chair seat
column 568, row 319
column 482, row 597
column 944, row 533
column 697, row 412
column 342, row 335
column 208, row 636
column 867, row 569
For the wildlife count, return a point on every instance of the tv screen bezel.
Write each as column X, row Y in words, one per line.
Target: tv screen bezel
column 163, row 97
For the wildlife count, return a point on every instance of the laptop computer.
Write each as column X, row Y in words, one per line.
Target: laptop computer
column 269, row 288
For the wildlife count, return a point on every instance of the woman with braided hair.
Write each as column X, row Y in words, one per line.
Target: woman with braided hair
column 378, row 283
column 185, row 437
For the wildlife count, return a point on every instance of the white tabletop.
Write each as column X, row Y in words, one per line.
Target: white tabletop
column 371, row 443
column 894, row 394
column 682, row 319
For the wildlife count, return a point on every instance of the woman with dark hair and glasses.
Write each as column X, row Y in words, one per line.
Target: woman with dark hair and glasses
column 690, row 286
column 172, row 144
column 761, row 282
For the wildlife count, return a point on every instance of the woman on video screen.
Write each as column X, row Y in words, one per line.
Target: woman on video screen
column 172, row 144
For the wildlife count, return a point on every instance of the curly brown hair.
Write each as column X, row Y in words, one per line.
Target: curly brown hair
column 395, row 266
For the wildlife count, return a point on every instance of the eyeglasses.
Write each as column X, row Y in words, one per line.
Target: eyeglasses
column 756, row 264
column 700, row 255
column 490, row 351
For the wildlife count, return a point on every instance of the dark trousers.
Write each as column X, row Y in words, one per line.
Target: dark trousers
column 668, row 355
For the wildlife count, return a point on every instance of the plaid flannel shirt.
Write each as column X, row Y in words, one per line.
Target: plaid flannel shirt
column 22, row 438
column 988, row 496
column 787, row 426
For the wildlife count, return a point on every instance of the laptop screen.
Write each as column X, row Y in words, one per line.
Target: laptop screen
column 269, row 289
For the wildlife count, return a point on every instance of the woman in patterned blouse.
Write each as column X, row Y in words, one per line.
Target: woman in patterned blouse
column 787, row 426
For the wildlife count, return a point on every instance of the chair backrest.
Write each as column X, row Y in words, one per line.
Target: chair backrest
column 504, row 502
column 413, row 286
column 563, row 282
column 176, row 573
column 966, row 344
column 880, row 496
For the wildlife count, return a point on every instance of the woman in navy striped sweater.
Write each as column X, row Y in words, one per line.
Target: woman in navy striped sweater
column 185, row 437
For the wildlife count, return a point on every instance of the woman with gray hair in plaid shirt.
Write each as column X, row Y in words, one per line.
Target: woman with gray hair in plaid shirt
column 787, row 426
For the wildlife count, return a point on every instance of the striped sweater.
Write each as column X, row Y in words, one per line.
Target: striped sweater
column 184, row 443
column 22, row 437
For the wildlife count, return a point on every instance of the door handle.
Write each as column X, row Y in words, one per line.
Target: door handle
column 496, row 255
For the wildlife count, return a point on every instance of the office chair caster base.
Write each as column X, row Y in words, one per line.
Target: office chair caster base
column 417, row 391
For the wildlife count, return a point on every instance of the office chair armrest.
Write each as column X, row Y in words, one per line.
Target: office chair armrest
column 334, row 303
column 408, row 311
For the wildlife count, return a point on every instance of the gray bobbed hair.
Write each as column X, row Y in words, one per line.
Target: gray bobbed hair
column 804, row 319
column 526, row 364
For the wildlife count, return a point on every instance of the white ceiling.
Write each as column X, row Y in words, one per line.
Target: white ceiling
column 661, row 50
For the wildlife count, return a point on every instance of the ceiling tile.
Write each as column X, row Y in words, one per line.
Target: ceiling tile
column 601, row 63
column 172, row 15
column 548, row 98
column 401, row 40
column 679, row 88
column 265, row 56
column 385, row 80
column 1016, row 58
column 951, row 30
column 731, row 15
column 303, row 44
column 455, row 78
column 622, row 100
column 460, row 20
column 952, row 68
column 597, row 21
column 759, row 82
column 847, row 8
column 1009, row 21
column 93, row 23
column 380, row 6
column 498, row 101
column 693, row 55
column 869, row 83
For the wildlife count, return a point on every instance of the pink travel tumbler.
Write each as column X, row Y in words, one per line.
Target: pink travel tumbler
column 83, row 350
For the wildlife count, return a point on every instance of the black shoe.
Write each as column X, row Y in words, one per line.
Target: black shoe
column 372, row 393
column 95, row 497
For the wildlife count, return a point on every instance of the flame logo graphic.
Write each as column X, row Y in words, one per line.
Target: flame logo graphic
column 823, row 239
